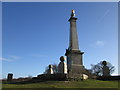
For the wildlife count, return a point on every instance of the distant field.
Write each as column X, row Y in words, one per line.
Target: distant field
column 66, row 84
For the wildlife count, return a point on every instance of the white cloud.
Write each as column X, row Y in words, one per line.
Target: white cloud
column 100, row 43
column 14, row 57
column 10, row 58
column 5, row 59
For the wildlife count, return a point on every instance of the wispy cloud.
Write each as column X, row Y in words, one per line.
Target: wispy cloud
column 103, row 16
column 14, row 57
column 5, row 59
column 38, row 55
column 100, row 43
column 10, row 58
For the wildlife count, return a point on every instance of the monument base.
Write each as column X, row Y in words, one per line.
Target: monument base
column 76, row 71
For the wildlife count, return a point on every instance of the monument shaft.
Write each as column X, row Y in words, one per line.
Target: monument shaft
column 74, row 55
column 73, row 45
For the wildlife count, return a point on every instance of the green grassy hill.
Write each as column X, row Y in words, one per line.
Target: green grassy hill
column 66, row 84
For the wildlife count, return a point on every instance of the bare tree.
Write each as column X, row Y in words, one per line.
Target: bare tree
column 46, row 70
column 29, row 76
column 55, row 68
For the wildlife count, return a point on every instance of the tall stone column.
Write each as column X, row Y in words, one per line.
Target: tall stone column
column 74, row 55
column 73, row 43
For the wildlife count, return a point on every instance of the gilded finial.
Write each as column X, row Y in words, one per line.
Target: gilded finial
column 73, row 13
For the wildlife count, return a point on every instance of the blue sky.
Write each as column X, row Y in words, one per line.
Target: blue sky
column 36, row 34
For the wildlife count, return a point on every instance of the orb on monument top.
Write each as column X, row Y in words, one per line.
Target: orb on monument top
column 72, row 13
column 104, row 63
column 50, row 66
column 62, row 59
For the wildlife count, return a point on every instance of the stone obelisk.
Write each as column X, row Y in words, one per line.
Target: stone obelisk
column 74, row 55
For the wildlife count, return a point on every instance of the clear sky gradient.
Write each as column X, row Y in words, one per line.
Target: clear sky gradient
column 37, row 34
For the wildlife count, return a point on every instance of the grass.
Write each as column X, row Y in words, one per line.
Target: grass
column 66, row 84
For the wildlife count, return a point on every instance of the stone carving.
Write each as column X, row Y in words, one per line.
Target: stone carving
column 84, row 76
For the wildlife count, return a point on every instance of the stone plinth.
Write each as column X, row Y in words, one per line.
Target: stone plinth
column 106, row 71
column 74, row 62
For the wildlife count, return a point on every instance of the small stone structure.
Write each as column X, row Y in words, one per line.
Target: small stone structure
column 106, row 71
column 84, row 76
column 62, row 67
column 50, row 70
column 9, row 77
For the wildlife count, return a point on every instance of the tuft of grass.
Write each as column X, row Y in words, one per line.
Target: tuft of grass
column 66, row 84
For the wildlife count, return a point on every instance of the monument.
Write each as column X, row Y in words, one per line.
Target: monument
column 50, row 70
column 74, row 68
column 9, row 77
column 62, row 67
column 73, row 53
column 106, row 71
